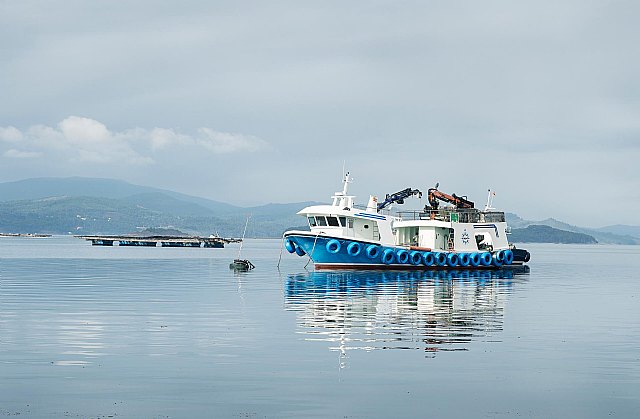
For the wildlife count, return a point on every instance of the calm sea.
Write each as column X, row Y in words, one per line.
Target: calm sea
column 163, row 332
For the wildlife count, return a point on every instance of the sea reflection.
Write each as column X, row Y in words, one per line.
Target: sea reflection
column 432, row 311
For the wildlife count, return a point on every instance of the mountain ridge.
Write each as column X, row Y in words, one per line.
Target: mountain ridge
column 43, row 187
column 101, row 205
column 536, row 233
column 605, row 237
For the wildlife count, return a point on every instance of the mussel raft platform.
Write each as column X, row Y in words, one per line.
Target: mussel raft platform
column 164, row 241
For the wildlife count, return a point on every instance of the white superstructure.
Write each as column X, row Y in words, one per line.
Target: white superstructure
column 459, row 235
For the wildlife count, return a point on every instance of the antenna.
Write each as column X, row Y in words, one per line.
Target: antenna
column 490, row 196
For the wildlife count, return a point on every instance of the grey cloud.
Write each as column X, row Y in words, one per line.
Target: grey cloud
column 473, row 92
column 12, row 153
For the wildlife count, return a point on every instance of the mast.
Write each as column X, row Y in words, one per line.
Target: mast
column 341, row 199
column 243, row 234
column 490, row 196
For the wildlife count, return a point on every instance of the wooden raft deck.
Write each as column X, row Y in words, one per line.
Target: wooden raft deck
column 163, row 241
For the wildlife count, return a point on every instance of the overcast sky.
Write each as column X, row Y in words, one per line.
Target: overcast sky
column 257, row 102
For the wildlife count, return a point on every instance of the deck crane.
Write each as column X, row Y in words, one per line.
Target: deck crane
column 398, row 197
column 434, row 195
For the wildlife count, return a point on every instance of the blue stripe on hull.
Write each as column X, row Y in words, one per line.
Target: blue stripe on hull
column 316, row 248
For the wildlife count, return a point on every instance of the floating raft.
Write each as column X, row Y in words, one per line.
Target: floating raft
column 163, row 241
column 36, row 235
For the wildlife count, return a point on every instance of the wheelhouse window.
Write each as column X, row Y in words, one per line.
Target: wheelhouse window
column 312, row 221
column 322, row 222
column 350, row 220
column 333, row 222
column 343, row 221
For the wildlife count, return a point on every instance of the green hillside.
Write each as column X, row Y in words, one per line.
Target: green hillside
column 39, row 188
column 604, row 235
column 106, row 206
column 91, row 215
column 546, row 234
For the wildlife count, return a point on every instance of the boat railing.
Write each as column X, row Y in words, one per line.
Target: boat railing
column 360, row 207
column 364, row 208
column 492, row 217
column 454, row 215
column 414, row 215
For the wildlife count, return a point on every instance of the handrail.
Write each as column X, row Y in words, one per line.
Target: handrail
column 455, row 215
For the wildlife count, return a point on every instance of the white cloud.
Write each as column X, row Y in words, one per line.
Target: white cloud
column 161, row 138
column 10, row 134
column 80, row 139
column 17, row 154
column 82, row 131
column 225, row 142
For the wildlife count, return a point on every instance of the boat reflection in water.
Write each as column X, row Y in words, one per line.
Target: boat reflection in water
column 432, row 310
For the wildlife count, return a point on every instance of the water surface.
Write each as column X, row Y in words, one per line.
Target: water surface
column 89, row 331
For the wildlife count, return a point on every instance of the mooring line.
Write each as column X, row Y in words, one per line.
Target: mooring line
column 312, row 249
column 281, row 246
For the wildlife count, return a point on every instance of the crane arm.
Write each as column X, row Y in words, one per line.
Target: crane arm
column 399, row 197
column 435, row 195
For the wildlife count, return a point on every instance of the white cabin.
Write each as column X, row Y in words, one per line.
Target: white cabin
column 445, row 229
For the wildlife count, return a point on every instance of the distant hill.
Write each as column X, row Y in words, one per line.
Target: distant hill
column 160, row 202
column 80, row 205
column 150, row 232
column 93, row 215
column 601, row 235
column 546, row 234
column 38, row 188
column 106, row 206
column 622, row 230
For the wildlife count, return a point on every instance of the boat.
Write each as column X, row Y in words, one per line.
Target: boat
column 239, row 264
column 343, row 235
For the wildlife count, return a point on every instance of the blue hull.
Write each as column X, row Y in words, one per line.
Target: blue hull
column 334, row 252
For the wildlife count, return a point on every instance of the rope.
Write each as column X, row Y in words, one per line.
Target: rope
column 281, row 246
column 312, row 249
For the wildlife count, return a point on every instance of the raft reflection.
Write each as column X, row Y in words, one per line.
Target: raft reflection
column 433, row 310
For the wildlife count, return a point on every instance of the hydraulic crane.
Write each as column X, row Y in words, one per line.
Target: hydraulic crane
column 399, row 197
column 434, row 195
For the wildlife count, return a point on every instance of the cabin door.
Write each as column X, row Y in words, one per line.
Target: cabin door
column 364, row 229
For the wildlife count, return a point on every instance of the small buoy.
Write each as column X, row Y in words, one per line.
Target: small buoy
column 289, row 245
column 428, row 258
column 415, row 257
column 373, row 251
column 403, row 256
column 496, row 261
column 333, row 246
column 388, row 256
column 474, row 259
column 485, row 258
column 441, row 258
column 508, row 257
column 452, row 259
column 354, row 248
